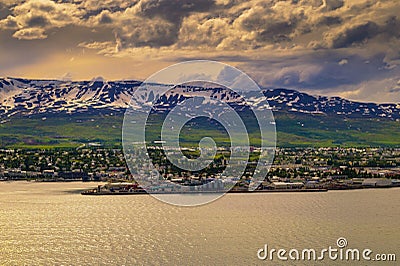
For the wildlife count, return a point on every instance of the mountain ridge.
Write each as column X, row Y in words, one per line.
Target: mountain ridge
column 34, row 96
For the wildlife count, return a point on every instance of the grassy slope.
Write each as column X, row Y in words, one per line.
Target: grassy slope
column 61, row 131
column 293, row 130
column 321, row 130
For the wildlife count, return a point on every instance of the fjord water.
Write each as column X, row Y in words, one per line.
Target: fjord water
column 50, row 223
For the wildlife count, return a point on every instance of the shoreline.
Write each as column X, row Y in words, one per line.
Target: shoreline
column 93, row 192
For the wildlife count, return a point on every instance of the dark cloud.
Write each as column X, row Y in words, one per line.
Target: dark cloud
column 153, row 33
column 173, row 10
column 105, row 18
column 277, row 31
column 309, row 72
column 329, row 21
column 4, row 11
column 37, row 21
column 354, row 34
column 269, row 29
column 391, row 26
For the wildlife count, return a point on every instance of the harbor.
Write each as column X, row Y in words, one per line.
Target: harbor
column 131, row 188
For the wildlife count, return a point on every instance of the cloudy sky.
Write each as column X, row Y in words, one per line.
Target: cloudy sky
column 349, row 48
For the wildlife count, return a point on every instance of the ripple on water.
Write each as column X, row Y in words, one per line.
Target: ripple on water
column 40, row 224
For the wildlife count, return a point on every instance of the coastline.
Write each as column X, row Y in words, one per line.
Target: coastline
column 93, row 192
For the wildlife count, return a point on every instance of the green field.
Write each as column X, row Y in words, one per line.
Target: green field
column 300, row 130
column 61, row 131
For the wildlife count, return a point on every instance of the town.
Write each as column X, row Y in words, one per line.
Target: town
column 293, row 168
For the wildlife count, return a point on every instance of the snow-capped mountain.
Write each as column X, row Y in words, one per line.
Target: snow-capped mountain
column 22, row 96
column 26, row 97
column 294, row 101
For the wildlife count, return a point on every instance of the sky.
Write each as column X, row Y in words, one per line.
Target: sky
column 347, row 48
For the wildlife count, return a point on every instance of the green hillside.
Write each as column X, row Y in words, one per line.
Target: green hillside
column 61, row 130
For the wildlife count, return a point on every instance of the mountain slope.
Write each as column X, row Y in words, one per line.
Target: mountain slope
column 51, row 96
column 65, row 113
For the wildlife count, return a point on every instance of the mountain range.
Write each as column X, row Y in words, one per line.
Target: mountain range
column 23, row 96
column 43, row 112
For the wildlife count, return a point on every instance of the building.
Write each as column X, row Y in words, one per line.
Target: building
column 287, row 185
column 377, row 182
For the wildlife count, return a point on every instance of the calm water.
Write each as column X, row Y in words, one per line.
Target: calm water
column 47, row 223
